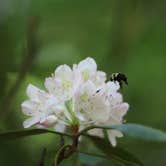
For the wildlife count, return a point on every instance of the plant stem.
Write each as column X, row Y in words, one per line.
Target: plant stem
column 43, row 156
column 73, row 148
column 64, row 153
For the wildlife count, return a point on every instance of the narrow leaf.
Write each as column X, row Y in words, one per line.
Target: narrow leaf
column 115, row 153
column 142, row 132
column 89, row 158
column 23, row 133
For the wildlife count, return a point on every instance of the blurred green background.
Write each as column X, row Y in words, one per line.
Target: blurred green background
column 122, row 36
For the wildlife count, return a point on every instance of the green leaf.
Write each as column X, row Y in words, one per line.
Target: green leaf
column 115, row 153
column 23, row 133
column 89, row 158
column 142, row 132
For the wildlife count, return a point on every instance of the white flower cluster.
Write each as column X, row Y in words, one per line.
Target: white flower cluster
column 78, row 96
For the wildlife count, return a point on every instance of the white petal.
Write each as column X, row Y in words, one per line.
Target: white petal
column 51, row 102
column 77, row 77
column 61, row 83
column 99, row 78
column 33, row 91
column 49, row 121
column 120, row 110
column 31, row 121
column 49, row 84
column 88, row 87
column 101, row 75
column 97, row 107
column 59, row 109
column 112, row 87
column 96, row 132
column 87, row 68
column 80, row 116
column 117, row 113
column 115, row 99
column 88, row 63
column 112, row 134
column 60, row 127
column 99, row 110
column 82, row 97
column 39, row 126
column 93, row 104
column 113, row 120
column 64, row 72
column 29, row 108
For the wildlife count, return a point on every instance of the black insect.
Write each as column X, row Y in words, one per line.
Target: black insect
column 120, row 78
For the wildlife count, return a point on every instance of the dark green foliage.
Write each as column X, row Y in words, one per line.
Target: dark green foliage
column 115, row 153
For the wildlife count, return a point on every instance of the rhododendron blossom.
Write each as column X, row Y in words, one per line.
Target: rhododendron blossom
column 78, row 96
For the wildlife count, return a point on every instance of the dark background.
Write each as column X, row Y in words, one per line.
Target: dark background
column 122, row 36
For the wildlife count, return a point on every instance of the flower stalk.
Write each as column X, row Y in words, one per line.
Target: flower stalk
column 67, row 150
